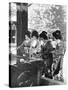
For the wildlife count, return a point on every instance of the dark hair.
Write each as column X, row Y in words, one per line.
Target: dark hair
column 35, row 33
column 57, row 34
column 43, row 35
column 27, row 33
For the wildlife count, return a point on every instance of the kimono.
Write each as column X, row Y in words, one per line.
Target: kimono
column 33, row 48
column 47, row 57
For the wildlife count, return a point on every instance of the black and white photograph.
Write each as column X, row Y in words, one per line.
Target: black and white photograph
column 37, row 44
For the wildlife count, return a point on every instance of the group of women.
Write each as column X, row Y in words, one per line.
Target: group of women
column 37, row 51
column 41, row 47
column 34, row 43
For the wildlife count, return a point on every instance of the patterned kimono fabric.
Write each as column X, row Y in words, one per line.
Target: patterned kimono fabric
column 33, row 48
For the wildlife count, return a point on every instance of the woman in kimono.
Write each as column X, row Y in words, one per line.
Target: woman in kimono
column 33, row 44
column 59, row 53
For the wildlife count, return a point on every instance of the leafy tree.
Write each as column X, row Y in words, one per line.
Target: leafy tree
column 56, row 15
